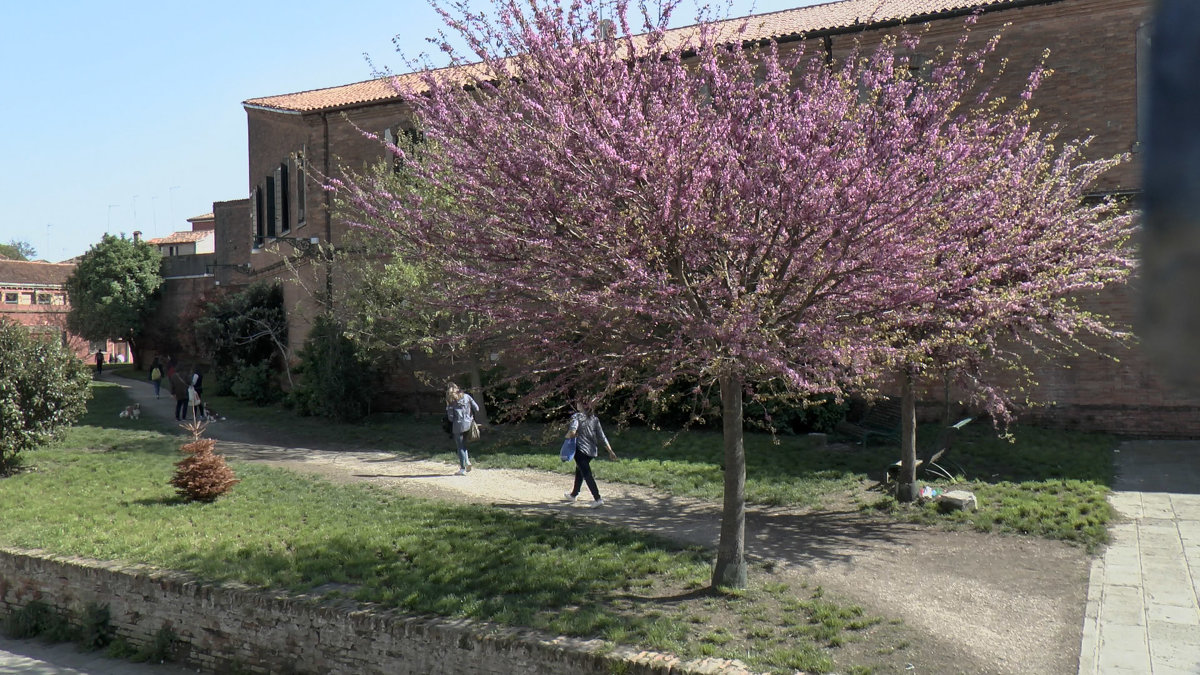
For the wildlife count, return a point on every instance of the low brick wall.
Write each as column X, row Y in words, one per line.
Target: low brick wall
column 225, row 628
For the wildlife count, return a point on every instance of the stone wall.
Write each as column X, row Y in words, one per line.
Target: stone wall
column 229, row 628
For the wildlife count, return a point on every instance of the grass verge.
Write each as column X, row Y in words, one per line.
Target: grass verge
column 103, row 493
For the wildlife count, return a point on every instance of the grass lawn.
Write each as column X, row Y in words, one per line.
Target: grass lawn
column 1043, row 482
column 103, row 492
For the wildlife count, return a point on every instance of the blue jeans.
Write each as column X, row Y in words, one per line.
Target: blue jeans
column 460, row 442
column 583, row 473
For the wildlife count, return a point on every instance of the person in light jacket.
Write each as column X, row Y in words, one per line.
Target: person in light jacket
column 460, row 410
column 585, row 428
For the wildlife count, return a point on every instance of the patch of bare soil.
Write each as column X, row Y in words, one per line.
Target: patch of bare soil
column 951, row 601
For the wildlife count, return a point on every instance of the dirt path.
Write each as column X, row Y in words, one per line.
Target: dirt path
column 981, row 603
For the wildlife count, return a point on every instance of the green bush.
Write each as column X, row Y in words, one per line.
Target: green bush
column 96, row 631
column 43, row 389
column 256, row 383
column 335, row 381
column 38, row 619
column 243, row 332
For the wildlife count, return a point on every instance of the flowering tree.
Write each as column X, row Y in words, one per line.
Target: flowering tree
column 626, row 211
column 1013, row 244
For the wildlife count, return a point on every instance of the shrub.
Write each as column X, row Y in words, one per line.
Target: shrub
column 202, row 475
column 96, row 631
column 335, row 380
column 38, row 619
column 255, row 383
column 43, row 389
column 240, row 329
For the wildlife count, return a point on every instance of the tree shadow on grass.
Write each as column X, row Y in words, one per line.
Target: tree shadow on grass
column 165, row 500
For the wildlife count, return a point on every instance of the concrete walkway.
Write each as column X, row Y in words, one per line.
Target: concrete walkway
column 1143, row 610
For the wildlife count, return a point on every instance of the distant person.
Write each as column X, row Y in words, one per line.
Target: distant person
column 156, row 375
column 99, row 363
column 179, row 389
column 198, row 384
column 460, row 410
column 585, row 428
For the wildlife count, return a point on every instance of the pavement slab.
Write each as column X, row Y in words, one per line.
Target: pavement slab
column 1143, row 613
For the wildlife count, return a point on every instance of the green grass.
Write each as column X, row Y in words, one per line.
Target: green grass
column 103, row 492
column 1044, row 482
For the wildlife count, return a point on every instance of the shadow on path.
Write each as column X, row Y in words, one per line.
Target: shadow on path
column 1000, row 604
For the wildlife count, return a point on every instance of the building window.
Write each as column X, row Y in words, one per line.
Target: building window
column 10, row 298
column 258, row 217
column 406, row 139
column 281, row 199
column 27, row 299
column 301, row 192
column 43, row 298
column 270, row 204
column 1143, row 82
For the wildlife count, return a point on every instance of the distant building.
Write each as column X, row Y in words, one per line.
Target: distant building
column 201, row 239
column 34, row 295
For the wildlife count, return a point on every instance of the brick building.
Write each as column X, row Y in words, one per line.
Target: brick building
column 34, row 295
column 1095, row 47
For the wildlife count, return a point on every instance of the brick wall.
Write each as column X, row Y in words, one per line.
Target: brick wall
column 223, row 628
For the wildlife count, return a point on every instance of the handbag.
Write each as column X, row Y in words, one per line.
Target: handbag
column 567, row 452
column 473, row 432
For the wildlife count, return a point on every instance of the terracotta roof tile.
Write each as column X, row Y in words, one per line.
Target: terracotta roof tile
column 775, row 25
column 182, row 237
column 20, row 272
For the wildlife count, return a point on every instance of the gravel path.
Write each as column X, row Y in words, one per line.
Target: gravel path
column 981, row 603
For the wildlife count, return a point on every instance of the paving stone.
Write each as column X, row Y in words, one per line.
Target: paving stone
column 1169, row 591
column 1123, row 575
column 1122, row 606
column 1173, row 614
column 1125, row 651
column 1175, row 633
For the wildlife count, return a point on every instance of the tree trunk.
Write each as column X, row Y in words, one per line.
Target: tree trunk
column 906, row 484
column 730, row 570
column 477, row 390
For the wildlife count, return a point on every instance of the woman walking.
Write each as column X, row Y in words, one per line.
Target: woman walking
column 179, row 389
column 460, row 410
column 156, row 376
column 588, row 434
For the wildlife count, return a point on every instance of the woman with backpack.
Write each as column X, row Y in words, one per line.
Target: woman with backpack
column 588, row 434
column 156, row 375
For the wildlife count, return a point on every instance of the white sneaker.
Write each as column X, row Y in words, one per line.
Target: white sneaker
column 469, row 467
column 596, row 504
column 460, row 472
column 568, row 496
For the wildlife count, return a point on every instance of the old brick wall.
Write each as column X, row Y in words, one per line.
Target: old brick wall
column 227, row 628
column 1091, row 45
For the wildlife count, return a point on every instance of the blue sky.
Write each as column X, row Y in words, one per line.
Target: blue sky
column 127, row 115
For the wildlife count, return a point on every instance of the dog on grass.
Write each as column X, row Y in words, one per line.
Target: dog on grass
column 132, row 412
column 210, row 415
